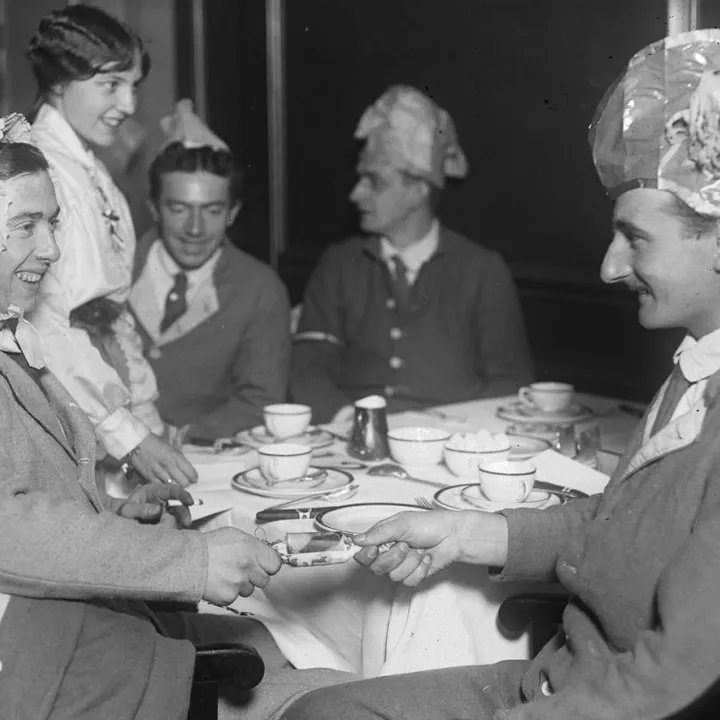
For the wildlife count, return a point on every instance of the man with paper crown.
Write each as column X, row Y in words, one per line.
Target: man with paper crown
column 413, row 311
column 641, row 562
column 213, row 320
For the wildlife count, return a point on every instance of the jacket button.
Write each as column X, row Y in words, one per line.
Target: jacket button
column 389, row 390
column 390, row 304
column 396, row 363
column 396, row 333
column 155, row 353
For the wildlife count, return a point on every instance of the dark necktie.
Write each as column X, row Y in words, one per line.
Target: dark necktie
column 676, row 388
column 400, row 281
column 176, row 302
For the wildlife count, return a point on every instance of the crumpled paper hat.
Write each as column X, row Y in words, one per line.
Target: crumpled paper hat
column 14, row 128
column 185, row 127
column 407, row 130
column 658, row 125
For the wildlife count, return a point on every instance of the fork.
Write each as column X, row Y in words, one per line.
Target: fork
column 423, row 503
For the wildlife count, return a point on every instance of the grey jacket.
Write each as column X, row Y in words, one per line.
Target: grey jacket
column 74, row 570
column 642, row 562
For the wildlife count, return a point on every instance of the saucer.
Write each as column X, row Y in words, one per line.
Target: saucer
column 523, row 447
column 474, row 495
column 455, row 497
column 258, row 436
column 254, row 482
column 517, row 412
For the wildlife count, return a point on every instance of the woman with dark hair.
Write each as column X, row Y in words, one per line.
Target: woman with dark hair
column 87, row 66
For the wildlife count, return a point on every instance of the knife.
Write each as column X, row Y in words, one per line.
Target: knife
column 559, row 490
column 302, row 513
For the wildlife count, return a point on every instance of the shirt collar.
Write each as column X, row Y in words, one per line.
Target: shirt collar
column 69, row 142
column 415, row 255
column 195, row 277
column 699, row 359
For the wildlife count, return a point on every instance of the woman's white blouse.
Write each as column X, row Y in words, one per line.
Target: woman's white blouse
column 97, row 245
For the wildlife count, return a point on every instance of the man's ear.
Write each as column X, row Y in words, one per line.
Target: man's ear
column 153, row 210
column 234, row 211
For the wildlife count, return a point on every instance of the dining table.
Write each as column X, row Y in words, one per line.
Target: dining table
column 344, row 617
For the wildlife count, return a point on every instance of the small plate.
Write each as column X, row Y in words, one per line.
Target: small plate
column 253, row 481
column 358, row 518
column 517, row 412
column 523, row 447
column 259, row 480
column 474, row 495
column 454, row 498
column 258, row 436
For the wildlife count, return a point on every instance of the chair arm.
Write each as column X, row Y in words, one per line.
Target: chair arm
column 542, row 612
column 232, row 663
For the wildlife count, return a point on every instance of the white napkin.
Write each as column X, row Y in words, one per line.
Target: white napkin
column 207, row 504
column 553, row 467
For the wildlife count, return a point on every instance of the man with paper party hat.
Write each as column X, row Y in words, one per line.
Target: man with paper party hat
column 641, row 562
column 213, row 320
column 413, row 311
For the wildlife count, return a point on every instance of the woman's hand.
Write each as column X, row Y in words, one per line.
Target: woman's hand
column 427, row 542
column 149, row 503
column 159, row 462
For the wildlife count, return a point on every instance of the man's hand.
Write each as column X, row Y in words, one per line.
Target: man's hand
column 159, row 462
column 427, row 542
column 149, row 503
column 237, row 564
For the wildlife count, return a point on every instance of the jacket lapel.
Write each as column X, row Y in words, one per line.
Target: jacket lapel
column 144, row 304
column 208, row 299
column 31, row 397
column 78, row 428
column 676, row 435
column 204, row 305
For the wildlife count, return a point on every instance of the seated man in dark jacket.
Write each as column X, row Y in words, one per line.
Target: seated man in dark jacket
column 413, row 311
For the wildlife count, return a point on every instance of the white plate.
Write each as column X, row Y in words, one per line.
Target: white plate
column 454, row 498
column 258, row 436
column 517, row 412
column 358, row 518
column 253, row 481
column 523, row 447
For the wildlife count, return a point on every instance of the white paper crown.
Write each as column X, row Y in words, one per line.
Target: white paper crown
column 185, row 127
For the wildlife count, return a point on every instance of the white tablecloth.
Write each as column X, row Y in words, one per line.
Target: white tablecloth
column 344, row 617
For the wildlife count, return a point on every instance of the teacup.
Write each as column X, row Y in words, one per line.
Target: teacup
column 284, row 461
column 547, row 396
column 507, row 481
column 285, row 420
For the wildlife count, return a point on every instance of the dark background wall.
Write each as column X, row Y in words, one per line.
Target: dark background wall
column 522, row 79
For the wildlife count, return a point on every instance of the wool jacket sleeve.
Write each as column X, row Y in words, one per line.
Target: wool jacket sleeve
column 502, row 350
column 669, row 666
column 319, row 343
column 57, row 547
column 536, row 538
column 260, row 371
